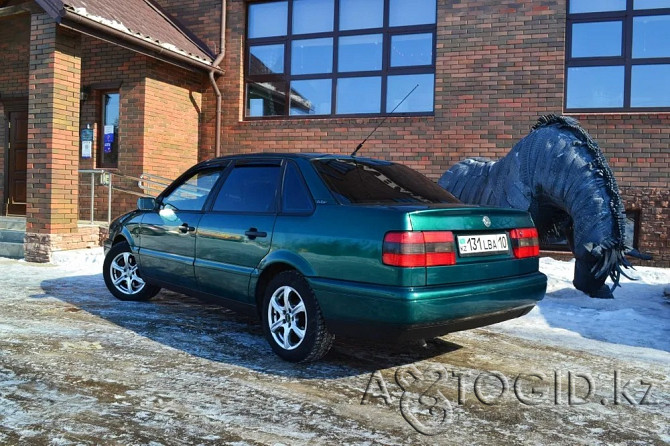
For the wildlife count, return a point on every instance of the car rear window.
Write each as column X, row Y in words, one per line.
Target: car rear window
column 382, row 182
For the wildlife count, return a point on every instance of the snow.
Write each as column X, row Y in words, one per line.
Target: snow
column 114, row 24
column 638, row 316
column 79, row 367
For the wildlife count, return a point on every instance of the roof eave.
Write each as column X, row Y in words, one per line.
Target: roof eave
column 91, row 27
column 95, row 29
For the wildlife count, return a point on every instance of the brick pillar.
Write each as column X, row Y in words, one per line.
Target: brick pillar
column 53, row 146
column 3, row 126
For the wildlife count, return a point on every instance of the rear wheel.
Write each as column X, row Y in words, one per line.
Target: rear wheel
column 122, row 275
column 292, row 319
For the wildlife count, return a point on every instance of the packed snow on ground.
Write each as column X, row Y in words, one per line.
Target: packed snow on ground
column 79, row 367
column 638, row 316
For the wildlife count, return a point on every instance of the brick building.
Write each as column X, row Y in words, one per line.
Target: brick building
column 318, row 76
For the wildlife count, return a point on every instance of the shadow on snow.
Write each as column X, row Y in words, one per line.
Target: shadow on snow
column 217, row 334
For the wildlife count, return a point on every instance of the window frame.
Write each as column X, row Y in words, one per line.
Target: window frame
column 634, row 217
column 385, row 72
column 101, row 130
column 223, row 167
column 625, row 60
column 247, row 163
column 182, row 180
column 305, row 186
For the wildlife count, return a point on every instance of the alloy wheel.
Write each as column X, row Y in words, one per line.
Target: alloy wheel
column 287, row 317
column 124, row 274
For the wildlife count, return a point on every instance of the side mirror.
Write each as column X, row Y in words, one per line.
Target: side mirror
column 146, row 204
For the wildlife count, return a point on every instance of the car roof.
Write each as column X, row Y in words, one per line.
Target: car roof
column 287, row 155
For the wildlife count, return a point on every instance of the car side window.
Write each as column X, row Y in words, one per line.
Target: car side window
column 249, row 188
column 192, row 194
column 296, row 198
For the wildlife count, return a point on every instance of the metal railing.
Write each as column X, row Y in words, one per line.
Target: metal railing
column 150, row 186
column 153, row 183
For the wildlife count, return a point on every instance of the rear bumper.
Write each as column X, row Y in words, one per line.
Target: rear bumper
column 400, row 333
column 396, row 313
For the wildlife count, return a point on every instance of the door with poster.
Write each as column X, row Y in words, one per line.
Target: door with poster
column 108, row 147
column 87, row 142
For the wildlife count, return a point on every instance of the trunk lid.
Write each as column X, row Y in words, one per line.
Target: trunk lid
column 482, row 242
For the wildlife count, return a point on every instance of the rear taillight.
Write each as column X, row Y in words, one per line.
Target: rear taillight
column 525, row 242
column 419, row 248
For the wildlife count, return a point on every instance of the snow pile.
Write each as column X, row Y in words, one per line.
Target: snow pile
column 638, row 316
column 92, row 258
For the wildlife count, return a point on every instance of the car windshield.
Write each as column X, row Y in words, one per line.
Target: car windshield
column 378, row 182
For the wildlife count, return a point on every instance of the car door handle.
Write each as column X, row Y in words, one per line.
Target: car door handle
column 252, row 233
column 184, row 228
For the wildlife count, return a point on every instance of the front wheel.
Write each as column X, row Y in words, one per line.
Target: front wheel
column 122, row 277
column 292, row 319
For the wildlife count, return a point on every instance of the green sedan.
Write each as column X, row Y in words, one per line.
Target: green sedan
column 319, row 246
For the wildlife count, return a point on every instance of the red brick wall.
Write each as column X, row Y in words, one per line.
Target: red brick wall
column 499, row 66
column 638, row 150
column 636, row 146
column 14, row 61
column 491, row 86
column 653, row 206
column 105, row 65
column 173, row 106
column 158, row 119
column 3, row 148
column 203, row 18
column 55, row 71
column 171, row 117
column 15, row 55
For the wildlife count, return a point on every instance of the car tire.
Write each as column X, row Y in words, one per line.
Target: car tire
column 292, row 319
column 122, row 275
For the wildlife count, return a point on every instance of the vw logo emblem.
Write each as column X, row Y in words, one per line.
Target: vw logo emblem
column 487, row 221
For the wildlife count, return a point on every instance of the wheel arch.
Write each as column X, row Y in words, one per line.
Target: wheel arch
column 275, row 263
column 119, row 239
column 125, row 236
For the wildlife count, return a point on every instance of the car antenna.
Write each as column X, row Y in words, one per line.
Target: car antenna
column 353, row 154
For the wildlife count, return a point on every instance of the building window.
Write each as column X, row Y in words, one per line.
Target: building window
column 108, row 130
column 618, row 55
column 632, row 228
column 339, row 57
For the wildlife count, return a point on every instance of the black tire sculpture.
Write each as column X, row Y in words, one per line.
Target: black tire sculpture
column 559, row 175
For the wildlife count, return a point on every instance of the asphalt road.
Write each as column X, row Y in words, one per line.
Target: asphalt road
column 79, row 367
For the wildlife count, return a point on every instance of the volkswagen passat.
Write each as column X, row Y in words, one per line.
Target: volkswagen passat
column 326, row 245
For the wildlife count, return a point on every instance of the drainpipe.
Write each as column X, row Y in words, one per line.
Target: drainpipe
column 212, row 79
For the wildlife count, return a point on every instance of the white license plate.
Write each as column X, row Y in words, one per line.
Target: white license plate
column 472, row 245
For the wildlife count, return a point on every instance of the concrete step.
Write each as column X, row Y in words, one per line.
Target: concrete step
column 13, row 223
column 12, row 236
column 12, row 232
column 12, row 250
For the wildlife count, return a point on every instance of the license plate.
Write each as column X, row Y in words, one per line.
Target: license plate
column 484, row 244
